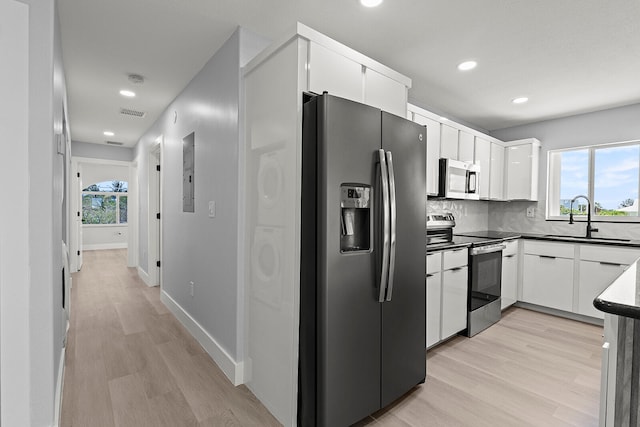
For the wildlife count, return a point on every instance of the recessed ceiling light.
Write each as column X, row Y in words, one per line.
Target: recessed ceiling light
column 520, row 100
column 127, row 93
column 370, row 3
column 108, row 133
column 467, row 65
column 444, row 119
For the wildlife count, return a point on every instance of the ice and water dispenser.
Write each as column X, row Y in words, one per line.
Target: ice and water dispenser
column 355, row 218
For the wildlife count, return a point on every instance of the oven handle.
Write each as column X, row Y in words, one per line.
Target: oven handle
column 487, row 249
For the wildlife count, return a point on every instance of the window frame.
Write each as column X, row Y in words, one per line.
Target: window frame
column 553, row 185
column 106, row 193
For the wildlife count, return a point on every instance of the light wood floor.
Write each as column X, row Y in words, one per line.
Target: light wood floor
column 530, row 369
column 129, row 362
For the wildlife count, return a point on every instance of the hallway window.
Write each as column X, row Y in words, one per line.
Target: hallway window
column 105, row 203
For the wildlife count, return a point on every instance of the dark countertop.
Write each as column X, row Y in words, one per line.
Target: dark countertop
column 622, row 297
column 553, row 238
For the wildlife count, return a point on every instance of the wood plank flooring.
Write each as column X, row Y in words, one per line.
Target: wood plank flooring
column 530, row 369
column 129, row 362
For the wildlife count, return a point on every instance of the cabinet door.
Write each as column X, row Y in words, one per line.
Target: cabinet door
column 595, row 277
column 434, row 295
column 334, row 73
column 433, row 151
column 548, row 281
column 518, row 172
column 509, row 287
column 448, row 142
column 454, row 301
column 385, row 93
column 466, row 147
column 482, row 157
column 496, row 172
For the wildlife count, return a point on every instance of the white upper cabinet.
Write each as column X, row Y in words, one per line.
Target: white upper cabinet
column 465, row 147
column 433, row 151
column 482, row 157
column 332, row 72
column 341, row 76
column 496, row 174
column 385, row 93
column 449, row 142
column 522, row 166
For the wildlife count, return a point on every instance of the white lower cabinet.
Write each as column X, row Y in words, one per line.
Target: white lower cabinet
column 548, row 281
column 509, row 289
column 548, row 274
column 454, row 301
column 446, row 294
column 595, row 277
column 434, row 298
column 599, row 267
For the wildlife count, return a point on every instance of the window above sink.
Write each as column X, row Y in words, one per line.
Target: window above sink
column 609, row 174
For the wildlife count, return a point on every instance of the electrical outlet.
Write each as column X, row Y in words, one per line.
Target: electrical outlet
column 531, row 212
column 191, row 288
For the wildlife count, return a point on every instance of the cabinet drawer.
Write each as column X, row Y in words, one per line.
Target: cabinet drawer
column 559, row 250
column 608, row 254
column 454, row 258
column 434, row 262
column 511, row 248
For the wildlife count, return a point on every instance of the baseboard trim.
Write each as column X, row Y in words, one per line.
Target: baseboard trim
column 59, row 390
column 560, row 313
column 145, row 277
column 232, row 369
column 103, row 246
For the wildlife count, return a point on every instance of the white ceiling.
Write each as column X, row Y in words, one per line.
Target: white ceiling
column 567, row 56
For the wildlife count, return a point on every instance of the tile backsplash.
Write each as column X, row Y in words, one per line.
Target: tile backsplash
column 471, row 215
column 512, row 216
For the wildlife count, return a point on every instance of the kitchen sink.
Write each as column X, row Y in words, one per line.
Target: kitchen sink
column 603, row 239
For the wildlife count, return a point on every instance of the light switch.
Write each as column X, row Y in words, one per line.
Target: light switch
column 212, row 209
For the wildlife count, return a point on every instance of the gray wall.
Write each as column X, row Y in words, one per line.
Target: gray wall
column 98, row 151
column 606, row 126
column 195, row 247
column 34, row 358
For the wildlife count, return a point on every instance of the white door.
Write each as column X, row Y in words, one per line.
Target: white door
column 78, row 218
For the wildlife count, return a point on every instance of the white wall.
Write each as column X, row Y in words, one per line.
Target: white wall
column 97, row 237
column 93, row 173
column 612, row 125
column 97, row 151
column 196, row 247
column 32, row 334
column 14, row 224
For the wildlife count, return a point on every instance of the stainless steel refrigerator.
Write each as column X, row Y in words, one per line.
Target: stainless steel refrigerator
column 362, row 278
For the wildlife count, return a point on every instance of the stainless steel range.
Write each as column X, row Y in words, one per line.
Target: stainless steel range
column 485, row 270
column 485, row 281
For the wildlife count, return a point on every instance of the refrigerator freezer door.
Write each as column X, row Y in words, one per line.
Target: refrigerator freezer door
column 403, row 318
column 349, row 313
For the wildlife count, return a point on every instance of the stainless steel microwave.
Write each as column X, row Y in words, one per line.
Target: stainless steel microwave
column 459, row 180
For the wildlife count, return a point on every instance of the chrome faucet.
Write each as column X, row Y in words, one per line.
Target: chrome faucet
column 590, row 229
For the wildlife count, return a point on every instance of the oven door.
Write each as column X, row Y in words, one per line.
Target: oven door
column 486, row 278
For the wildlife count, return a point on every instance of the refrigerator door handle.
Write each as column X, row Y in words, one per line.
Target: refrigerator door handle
column 384, row 176
column 392, row 243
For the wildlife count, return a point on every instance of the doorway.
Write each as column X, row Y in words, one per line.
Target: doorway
column 155, row 218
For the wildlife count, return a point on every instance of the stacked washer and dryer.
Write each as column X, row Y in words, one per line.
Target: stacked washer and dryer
column 268, row 240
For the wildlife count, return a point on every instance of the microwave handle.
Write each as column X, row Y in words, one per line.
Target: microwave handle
column 472, row 182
